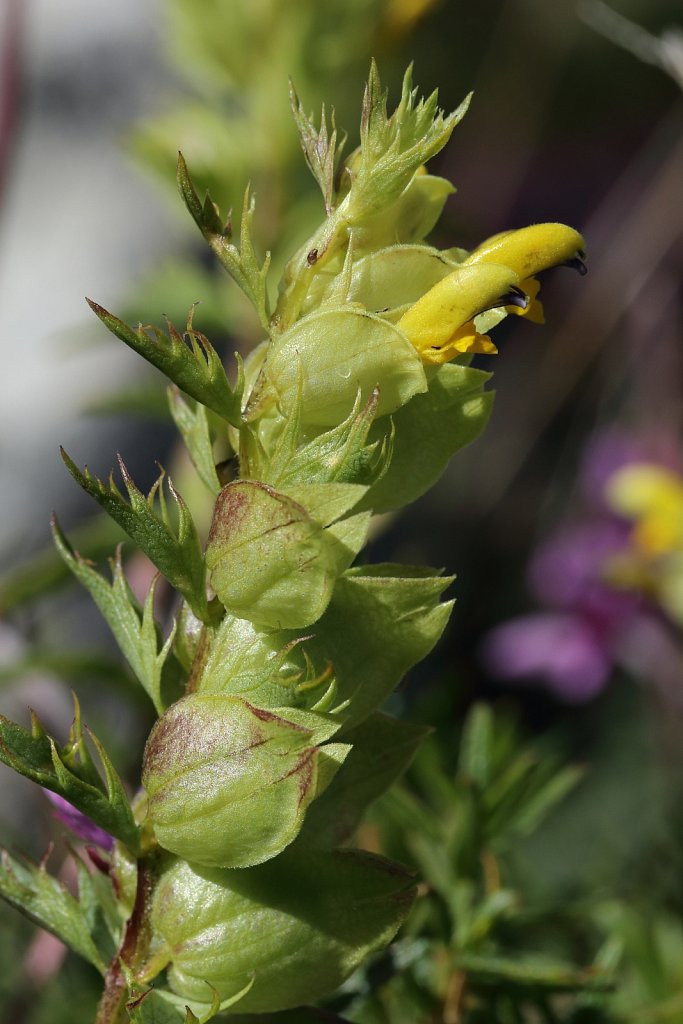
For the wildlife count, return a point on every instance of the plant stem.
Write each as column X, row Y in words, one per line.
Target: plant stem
column 133, row 949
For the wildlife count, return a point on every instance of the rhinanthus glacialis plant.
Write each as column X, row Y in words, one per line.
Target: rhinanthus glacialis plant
column 233, row 885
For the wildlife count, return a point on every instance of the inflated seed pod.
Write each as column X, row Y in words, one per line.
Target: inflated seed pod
column 272, row 562
column 317, row 368
column 299, row 925
column 228, row 783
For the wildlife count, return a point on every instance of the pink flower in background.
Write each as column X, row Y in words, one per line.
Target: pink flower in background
column 590, row 615
column 78, row 823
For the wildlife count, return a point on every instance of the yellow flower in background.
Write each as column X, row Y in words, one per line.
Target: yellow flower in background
column 652, row 497
column 441, row 324
column 400, row 16
column 529, row 251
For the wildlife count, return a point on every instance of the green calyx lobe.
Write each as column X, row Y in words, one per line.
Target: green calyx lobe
column 228, row 783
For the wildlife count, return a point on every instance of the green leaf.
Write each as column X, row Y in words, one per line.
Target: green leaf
column 39, row 896
column 427, row 433
column 69, row 771
column 241, row 263
column 135, row 632
column 188, row 360
column 382, row 747
column 396, row 276
column 193, row 425
column 400, row 605
column 476, row 746
column 531, row 973
column 299, row 924
column 178, row 554
column 320, row 147
column 524, row 793
column 100, row 908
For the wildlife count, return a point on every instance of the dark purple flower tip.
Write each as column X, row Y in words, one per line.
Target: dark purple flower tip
column 78, row 823
column 578, row 263
column 560, row 650
column 515, row 297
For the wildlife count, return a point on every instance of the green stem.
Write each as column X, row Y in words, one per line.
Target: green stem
column 132, row 952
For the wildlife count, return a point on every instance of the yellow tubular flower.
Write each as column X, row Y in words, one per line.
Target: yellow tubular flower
column 529, row 251
column 440, row 324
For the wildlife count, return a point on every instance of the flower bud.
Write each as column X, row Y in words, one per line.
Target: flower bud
column 228, row 783
column 299, row 925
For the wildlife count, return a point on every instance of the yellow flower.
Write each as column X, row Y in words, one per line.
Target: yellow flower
column 441, row 324
column 652, row 497
column 528, row 251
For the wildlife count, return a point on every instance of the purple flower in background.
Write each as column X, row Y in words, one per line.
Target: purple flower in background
column 588, row 624
column 561, row 649
column 78, row 823
column 573, row 645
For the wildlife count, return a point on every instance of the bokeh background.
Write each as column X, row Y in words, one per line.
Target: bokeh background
column 577, row 116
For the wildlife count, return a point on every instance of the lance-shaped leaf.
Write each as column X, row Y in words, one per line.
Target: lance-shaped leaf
column 320, row 147
column 70, row 772
column 228, row 783
column 188, row 360
column 298, row 925
column 193, row 424
column 273, row 563
column 427, row 433
column 135, row 631
column 241, row 263
column 178, row 554
column 382, row 748
column 44, row 899
column 397, row 604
